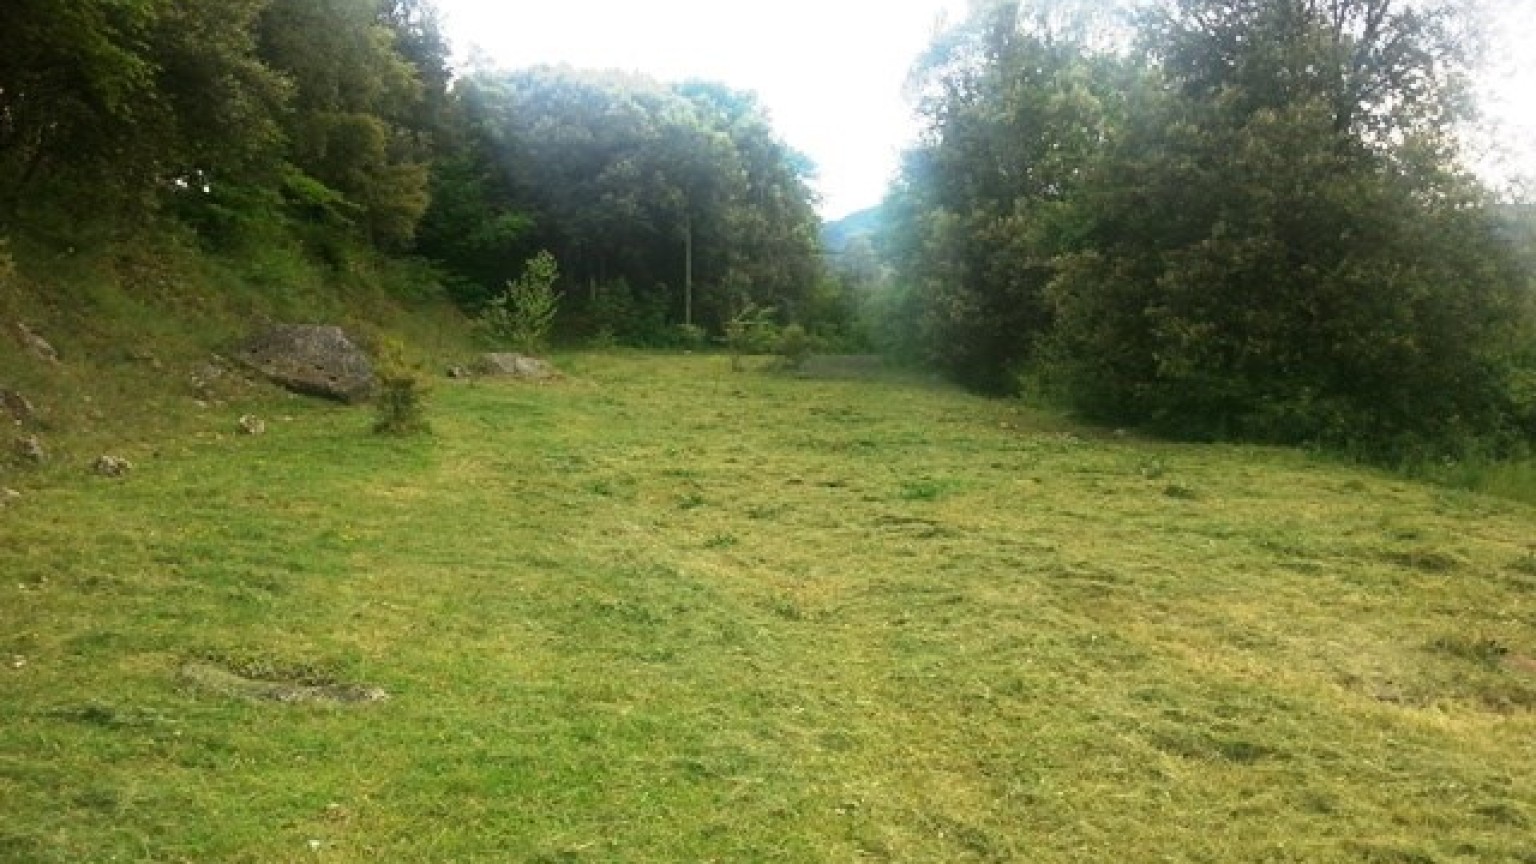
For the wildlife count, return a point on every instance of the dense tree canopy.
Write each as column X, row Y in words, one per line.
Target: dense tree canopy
column 109, row 103
column 1254, row 222
column 666, row 204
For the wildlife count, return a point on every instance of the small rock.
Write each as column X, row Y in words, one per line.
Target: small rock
column 16, row 406
column 111, row 466
column 36, row 345
column 457, row 372
column 250, row 424
column 31, row 449
column 204, row 378
column 18, row 661
column 146, row 357
column 8, row 497
column 515, row 366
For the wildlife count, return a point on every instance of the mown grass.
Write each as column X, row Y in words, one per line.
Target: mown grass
column 661, row 612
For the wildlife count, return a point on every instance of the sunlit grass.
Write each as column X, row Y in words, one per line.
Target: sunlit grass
column 660, row 611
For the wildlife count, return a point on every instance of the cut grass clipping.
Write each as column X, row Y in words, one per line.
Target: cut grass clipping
column 662, row 612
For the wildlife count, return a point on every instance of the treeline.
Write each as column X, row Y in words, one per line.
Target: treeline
column 671, row 207
column 340, row 125
column 1217, row 218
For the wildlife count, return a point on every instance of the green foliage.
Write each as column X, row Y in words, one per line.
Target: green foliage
column 1307, row 291
column 981, row 212
column 233, row 116
column 752, row 330
column 1256, row 228
column 523, row 315
column 691, row 337
column 613, row 313
column 400, row 405
column 473, row 224
column 630, row 181
column 107, row 106
column 356, row 123
column 794, row 347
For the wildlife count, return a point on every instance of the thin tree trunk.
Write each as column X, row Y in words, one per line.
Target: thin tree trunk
column 687, row 270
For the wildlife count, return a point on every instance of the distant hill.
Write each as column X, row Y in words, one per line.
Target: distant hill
column 835, row 235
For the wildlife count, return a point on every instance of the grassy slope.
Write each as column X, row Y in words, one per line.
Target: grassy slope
column 663, row 612
column 136, row 323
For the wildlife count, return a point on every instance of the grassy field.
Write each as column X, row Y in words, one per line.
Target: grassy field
column 663, row 612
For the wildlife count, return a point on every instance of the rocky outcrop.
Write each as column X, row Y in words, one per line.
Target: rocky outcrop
column 312, row 360
column 111, row 466
column 30, row 449
column 36, row 345
column 515, row 366
column 16, row 407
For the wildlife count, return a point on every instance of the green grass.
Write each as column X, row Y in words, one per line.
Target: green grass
column 663, row 612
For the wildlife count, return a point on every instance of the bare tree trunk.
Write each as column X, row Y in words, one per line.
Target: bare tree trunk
column 687, row 270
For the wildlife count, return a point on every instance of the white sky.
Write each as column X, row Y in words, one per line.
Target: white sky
column 1508, row 92
column 831, row 71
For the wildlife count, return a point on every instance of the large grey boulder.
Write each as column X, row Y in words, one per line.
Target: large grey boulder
column 514, row 366
column 313, row 360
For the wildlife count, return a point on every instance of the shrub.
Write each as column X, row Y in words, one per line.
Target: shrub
column 750, row 331
column 401, row 407
column 794, row 347
column 400, row 403
column 523, row 314
column 691, row 337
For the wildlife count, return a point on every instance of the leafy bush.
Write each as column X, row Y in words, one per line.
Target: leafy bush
column 618, row 314
column 401, row 402
column 691, row 337
column 401, row 407
column 794, row 347
column 750, row 331
column 522, row 315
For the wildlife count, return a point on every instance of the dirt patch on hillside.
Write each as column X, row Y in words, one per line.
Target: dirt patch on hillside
column 218, row 680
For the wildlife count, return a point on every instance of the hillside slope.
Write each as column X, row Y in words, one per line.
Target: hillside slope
column 143, row 333
column 660, row 611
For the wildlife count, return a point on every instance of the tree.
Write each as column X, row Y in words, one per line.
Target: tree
column 1016, row 104
column 354, row 96
column 1283, row 246
column 124, row 103
column 1255, row 224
